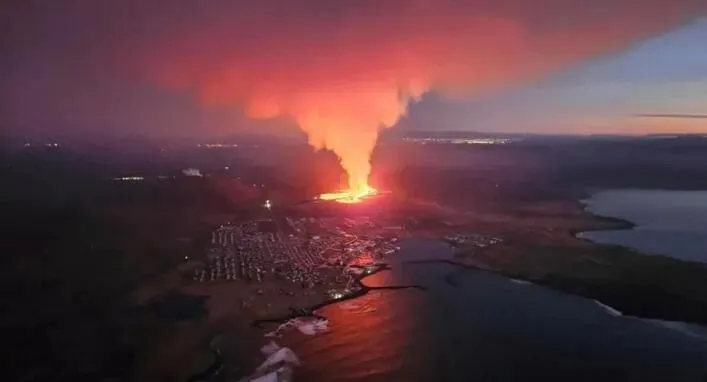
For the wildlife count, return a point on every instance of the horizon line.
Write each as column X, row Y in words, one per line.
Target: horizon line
column 672, row 115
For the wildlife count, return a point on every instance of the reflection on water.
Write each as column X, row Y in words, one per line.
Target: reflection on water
column 487, row 328
column 672, row 223
column 367, row 342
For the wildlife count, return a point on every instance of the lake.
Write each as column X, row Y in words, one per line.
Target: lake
column 671, row 223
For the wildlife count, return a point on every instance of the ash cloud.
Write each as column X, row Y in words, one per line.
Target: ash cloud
column 340, row 70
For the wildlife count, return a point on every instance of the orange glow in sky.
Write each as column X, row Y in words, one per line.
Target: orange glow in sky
column 343, row 75
column 340, row 70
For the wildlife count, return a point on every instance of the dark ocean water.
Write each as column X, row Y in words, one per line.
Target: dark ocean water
column 671, row 223
column 476, row 326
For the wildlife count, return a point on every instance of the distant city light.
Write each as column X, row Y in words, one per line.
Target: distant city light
column 129, row 178
column 461, row 141
column 268, row 205
column 192, row 172
column 216, row 145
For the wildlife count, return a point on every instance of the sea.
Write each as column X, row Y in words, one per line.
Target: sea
column 471, row 325
column 669, row 223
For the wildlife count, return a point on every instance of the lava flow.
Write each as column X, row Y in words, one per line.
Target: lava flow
column 350, row 196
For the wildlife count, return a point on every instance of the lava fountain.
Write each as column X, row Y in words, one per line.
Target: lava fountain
column 350, row 196
column 346, row 119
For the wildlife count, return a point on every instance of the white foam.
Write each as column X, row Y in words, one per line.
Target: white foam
column 281, row 355
column 522, row 282
column 280, row 328
column 270, row 348
column 277, row 367
column 312, row 327
column 306, row 326
column 609, row 309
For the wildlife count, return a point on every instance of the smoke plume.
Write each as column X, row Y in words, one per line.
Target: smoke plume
column 341, row 70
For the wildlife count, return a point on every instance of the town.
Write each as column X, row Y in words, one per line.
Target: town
column 304, row 252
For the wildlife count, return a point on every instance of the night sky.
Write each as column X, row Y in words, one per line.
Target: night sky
column 189, row 68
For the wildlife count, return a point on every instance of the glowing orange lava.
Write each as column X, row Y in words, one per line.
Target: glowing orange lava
column 350, row 196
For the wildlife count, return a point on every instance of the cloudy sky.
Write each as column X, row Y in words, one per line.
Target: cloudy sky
column 187, row 67
column 657, row 85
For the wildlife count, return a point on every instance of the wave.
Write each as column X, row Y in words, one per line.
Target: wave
column 308, row 326
column 609, row 309
column 277, row 367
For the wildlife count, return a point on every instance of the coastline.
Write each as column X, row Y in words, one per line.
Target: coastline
column 560, row 286
column 636, row 284
column 217, row 364
column 617, row 296
column 311, row 311
column 617, row 223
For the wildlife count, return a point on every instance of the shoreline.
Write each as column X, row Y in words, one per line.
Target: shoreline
column 311, row 311
column 613, row 294
column 621, row 288
column 558, row 283
column 620, row 223
column 548, row 283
